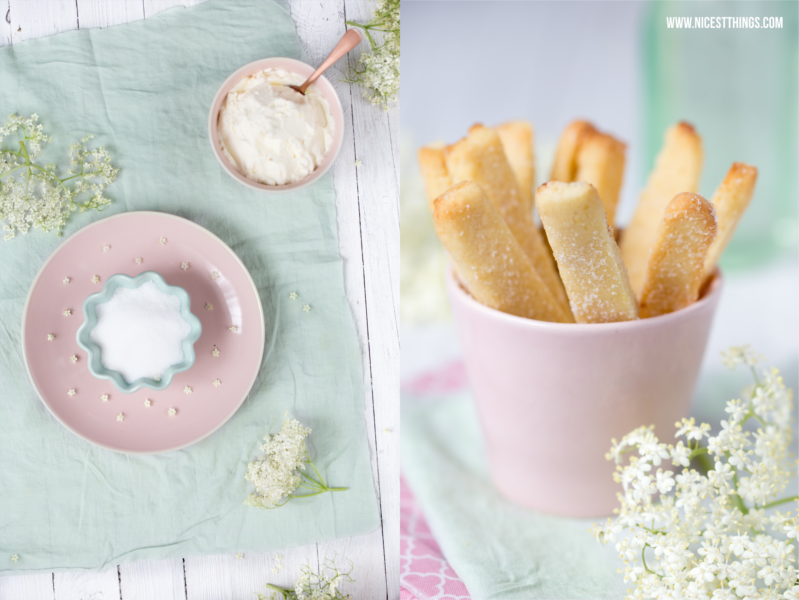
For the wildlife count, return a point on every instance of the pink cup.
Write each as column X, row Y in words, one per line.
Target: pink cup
column 551, row 396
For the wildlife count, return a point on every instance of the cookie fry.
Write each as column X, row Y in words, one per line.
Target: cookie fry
column 434, row 172
column 600, row 162
column 677, row 169
column 565, row 166
column 480, row 157
column 517, row 141
column 730, row 201
column 489, row 261
column 677, row 262
column 587, row 255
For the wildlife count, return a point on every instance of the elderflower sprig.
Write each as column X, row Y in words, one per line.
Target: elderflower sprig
column 709, row 536
column 379, row 70
column 281, row 471
column 32, row 195
column 323, row 585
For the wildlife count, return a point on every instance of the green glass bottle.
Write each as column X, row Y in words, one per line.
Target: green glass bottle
column 738, row 87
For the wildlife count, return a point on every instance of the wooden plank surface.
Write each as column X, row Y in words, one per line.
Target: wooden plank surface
column 40, row 18
column 5, row 22
column 106, row 14
column 84, row 585
column 35, row 587
column 319, row 28
column 367, row 203
column 152, row 580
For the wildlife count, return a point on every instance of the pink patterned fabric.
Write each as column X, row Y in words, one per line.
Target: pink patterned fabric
column 445, row 380
column 424, row 572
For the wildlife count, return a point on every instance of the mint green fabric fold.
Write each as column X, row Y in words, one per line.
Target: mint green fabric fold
column 144, row 90
column 498, row 549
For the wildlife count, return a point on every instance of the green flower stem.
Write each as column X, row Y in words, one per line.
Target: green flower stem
column 703, row 458
column 12, row 170
column 317, row 485
column 738, row 500
column 311, row 483
column 778, row 502
column 286, row 593
column 643, row 559
column 652, row 530
column 24, row 151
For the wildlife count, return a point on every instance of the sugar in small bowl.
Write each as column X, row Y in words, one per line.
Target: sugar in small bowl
column 138, row 332
column 270, row 137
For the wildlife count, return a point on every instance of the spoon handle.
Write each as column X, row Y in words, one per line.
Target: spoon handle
column 347, row 42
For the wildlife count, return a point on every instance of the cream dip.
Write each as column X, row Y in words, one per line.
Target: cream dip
column 271, row 133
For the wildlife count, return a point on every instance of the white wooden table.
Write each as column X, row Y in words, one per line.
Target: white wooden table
column 367, row 202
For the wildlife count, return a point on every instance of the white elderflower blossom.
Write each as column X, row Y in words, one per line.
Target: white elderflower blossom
column 278, row 564
column 32, row 195
column 740, row 355
column 281, row 471
column 379, row 70
column 684, row 534
column 323, row 585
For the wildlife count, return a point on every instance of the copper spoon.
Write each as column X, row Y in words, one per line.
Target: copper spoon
column 347, row 42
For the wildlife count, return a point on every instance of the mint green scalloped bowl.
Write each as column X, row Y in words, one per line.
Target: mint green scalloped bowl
column 96, row 367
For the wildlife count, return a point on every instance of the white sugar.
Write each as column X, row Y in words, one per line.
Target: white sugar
column 140, row 332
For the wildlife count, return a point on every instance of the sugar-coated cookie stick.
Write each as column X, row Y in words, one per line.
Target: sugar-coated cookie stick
column 730, row 201
column 565, row 165
column 677, row 169
column 517, row 141
column 480, row 157
column 588, row 257
column 488, row 259
column 600, row 162
column 677, row 262
column 434, row 172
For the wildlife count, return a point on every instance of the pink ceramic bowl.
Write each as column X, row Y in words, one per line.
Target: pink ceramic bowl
column 550, row 396
column 294, row 66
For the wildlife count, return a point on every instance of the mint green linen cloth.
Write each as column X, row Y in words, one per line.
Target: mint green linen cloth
column 144, row 90
column 498, row 549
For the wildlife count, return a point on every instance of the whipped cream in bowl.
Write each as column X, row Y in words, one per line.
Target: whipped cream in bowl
column 270, row 137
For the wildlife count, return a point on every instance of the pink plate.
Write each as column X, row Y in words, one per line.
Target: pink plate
column 215, row 277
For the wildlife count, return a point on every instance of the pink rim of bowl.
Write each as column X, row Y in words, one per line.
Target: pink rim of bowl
column 294, row 66
column 713, row 289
